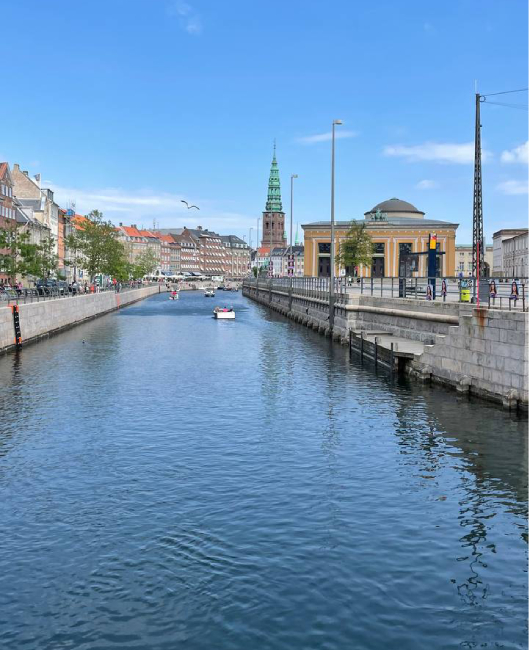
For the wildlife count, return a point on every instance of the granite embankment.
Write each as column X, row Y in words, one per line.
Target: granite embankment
column 483, row 352
column 39, row 319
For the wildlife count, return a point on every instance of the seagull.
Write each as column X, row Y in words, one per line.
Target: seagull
column 188, row 205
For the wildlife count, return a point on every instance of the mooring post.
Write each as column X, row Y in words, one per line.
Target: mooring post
column 375, row 353
column 349, row 347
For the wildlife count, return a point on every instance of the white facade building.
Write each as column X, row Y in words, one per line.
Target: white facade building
column 515, row 256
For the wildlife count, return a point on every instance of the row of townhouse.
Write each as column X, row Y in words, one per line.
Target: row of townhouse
column 164, row 249
column 24, row 203
column 261, row 259
column 208, row 253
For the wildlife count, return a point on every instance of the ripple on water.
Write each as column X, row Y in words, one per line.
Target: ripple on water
column 179, row 482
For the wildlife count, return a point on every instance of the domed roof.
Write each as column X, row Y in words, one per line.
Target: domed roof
column 395, row 205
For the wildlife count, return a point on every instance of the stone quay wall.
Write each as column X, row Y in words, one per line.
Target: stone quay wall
column 478, row 351
column 486, row 355
column 39, row 319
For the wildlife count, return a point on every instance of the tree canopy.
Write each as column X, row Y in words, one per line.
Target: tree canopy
column 95, row 247
column 357, row 248
column 20, row 257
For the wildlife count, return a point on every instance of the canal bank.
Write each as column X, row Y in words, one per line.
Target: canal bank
column 483, row 352
column 48, row 316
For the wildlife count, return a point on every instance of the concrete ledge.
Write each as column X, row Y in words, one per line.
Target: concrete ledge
column 42, row 319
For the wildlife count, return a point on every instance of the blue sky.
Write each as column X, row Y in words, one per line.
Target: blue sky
column 129, row 106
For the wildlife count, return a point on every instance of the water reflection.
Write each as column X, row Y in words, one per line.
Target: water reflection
column 243, row 485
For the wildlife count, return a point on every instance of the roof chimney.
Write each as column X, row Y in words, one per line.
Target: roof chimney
column 121, row 224
column 199, row 227
column 16, row 167
column 25, row 172
column 37, row 179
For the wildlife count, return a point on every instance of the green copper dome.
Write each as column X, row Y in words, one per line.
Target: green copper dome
column 274, row 195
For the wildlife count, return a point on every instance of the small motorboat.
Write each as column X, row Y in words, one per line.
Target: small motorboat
column 174, row 295
column 209, row 293
column 227, row 313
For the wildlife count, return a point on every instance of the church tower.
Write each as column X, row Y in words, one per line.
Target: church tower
column 273, row 216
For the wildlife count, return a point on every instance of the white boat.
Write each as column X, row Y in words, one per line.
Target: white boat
column 174, row 295
column 224, row 313
column 209, row 293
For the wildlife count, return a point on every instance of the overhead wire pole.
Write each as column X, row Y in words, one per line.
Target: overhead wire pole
column 478, row 217
column 478, row 226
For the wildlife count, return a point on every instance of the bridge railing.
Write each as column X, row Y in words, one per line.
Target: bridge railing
column 500, row 295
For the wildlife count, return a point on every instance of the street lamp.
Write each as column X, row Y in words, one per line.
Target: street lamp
column 293, row 176
column 332, row 247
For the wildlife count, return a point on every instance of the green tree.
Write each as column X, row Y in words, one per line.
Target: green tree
column 95, row 247
column 46, row 260
column 145, row 264
column 18, row 256
column 357, row 248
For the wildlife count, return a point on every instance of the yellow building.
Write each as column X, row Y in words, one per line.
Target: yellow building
column 397, row 229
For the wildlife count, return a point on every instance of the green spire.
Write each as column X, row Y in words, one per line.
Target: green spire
column 296, row 236
column 274, row 196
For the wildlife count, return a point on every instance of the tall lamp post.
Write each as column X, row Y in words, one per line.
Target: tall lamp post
column 332, row 246
column 293, row 176
column 257, row 244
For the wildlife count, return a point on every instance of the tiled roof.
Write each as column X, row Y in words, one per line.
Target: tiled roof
column 78, row 220
column 131, row 231
column 3, row 169
column 148, row 233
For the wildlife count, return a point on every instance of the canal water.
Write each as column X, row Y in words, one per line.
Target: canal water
column 171, row 481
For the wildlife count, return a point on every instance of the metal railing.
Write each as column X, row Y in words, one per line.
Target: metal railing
column 30, row 295
column 460, row 290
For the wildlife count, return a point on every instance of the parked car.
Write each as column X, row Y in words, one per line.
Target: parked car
column 47, row 286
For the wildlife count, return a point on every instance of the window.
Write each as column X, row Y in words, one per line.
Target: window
column 405, row 249
column 378, row 248
column 324, row 248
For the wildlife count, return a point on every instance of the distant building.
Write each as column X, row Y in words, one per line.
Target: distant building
column 515, row 256
column 464, row 259
column 189, row 249
column 499, row 266
column 169, row 253
column 237, row 263
column 40, row 200
column 273, row 218
column 7, row 207
column 133, row 240
column 280, row 260
column 262, row 258
column 398, row 229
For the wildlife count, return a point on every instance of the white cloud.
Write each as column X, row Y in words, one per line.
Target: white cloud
column 427, row 185
column 513, row 187
column 189, row 19
column 326, row 137
column 441, row 152
column 517, row 155
column 142, row 206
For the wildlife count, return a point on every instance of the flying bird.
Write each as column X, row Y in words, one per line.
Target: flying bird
column 188, row 205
